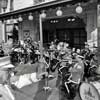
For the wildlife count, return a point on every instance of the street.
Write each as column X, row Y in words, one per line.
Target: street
column 57, row 31
column 35, row 91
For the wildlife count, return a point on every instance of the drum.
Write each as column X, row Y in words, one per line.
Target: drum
column 89, row 91
column 4, row 94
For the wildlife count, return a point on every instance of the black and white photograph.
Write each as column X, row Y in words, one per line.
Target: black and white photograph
column 49, row 50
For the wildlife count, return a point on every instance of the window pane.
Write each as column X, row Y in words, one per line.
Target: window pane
column 9, row 28
column 76, row 40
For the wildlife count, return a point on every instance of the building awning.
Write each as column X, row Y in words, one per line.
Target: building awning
column 39, row 7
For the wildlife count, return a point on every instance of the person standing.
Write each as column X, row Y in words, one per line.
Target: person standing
column 1, row 51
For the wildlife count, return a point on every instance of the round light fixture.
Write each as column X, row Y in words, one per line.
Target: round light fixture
column 59, row 12
column 79, row 9
column 57, row 21
column 68, row 19
column 20, row 18
column 30, row 17
column 43, row 14
column 73, row 19
column 8, row 21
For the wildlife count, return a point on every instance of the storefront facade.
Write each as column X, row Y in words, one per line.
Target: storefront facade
column 31, row 28
column 88, row 16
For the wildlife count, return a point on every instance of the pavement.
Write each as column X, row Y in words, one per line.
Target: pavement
column 35, row 91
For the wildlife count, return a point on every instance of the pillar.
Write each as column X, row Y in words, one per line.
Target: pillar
column 98, row 20
column 3, row 31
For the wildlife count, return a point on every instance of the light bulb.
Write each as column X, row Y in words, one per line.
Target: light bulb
column 20, row 19
column 30, row 17
column 59, row 12
column 8, row 21
column 79, row 9
column 43, row 15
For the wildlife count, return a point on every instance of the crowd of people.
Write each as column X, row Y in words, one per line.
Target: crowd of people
column 29, row 51
column 73, row 65
column 76, row 65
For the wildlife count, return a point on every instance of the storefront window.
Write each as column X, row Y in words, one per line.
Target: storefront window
column 9, row 30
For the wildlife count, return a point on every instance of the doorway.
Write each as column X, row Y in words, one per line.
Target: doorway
column 68, row 29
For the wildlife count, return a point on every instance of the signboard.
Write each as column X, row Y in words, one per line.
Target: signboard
column 26, row 34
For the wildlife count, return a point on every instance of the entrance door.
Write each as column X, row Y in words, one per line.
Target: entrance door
column 64, row 30
column 75, row 36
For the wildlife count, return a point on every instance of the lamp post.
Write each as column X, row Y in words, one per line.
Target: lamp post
column 41, row 36
column 98, row 40
column 41, row 17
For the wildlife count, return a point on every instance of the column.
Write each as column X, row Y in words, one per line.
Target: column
column 0, row 31
column 3, row 31
column 20, row 31
column 90, row 24
column 98, row 20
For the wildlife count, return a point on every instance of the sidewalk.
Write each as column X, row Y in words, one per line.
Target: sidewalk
column 35, row 91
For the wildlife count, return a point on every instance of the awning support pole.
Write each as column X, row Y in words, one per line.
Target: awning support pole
column 41, row 36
